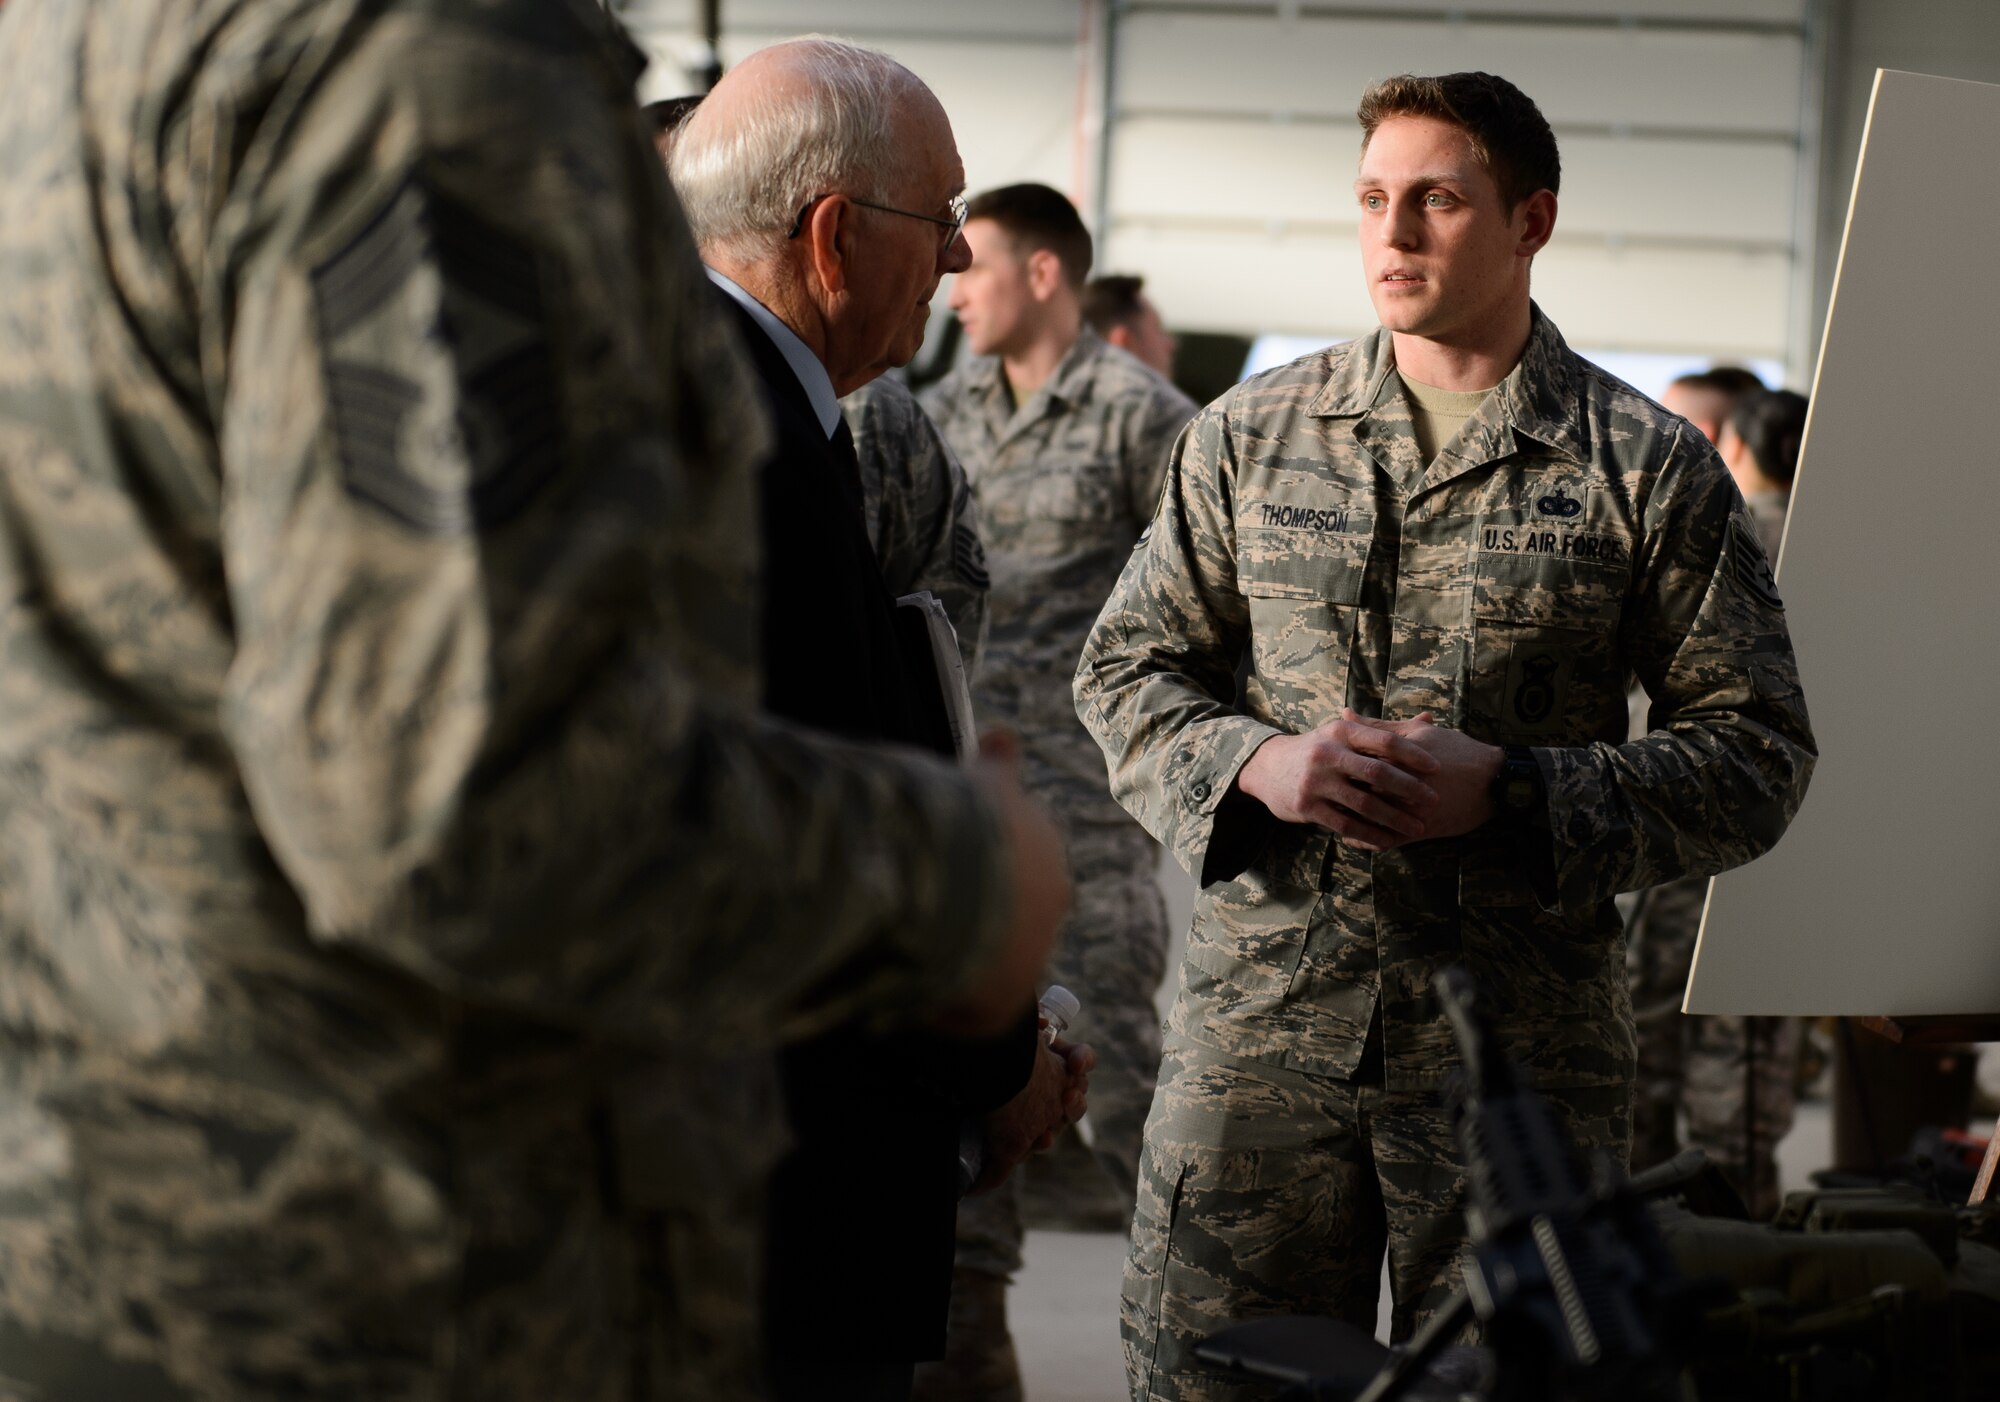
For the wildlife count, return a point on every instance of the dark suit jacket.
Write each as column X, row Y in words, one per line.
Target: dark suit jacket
column 862, row 1210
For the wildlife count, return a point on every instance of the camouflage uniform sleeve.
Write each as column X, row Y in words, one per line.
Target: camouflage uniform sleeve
column 936, row 399
column 1158, row 673
column 957, row 572
column 479, row 569
column 927, row 525
column 1728, row 751
column 1151, row 444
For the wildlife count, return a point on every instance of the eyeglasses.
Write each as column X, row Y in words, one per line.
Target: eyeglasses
column 951, row 226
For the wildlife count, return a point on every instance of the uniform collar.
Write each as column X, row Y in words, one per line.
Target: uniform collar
column 1072, row 372
column 1538, row 400
column 1066, row 384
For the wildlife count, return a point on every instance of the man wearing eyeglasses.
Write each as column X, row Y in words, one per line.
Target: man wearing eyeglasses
column 824, row 188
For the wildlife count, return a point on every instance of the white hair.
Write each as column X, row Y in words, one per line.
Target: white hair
column 743, row 183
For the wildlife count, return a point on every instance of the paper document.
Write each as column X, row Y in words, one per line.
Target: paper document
column 954, row 686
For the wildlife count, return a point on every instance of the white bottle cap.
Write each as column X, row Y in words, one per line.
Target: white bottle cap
column 1060, row 1005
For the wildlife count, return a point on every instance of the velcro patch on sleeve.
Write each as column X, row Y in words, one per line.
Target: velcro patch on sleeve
column 440, row 374
column 968, row 556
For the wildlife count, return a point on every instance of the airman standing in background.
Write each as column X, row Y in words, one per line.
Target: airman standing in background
column 1117, row 308
column 1733, row 1079
column 1707, row 397
column 1064, row 440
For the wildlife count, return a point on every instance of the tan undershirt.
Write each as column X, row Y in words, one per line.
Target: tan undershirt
column 1438, row 414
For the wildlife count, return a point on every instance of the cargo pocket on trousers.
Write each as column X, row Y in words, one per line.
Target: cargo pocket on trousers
column 1146, row 1270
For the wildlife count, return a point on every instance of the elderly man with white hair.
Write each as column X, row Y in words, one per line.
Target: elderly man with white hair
column 824, row 188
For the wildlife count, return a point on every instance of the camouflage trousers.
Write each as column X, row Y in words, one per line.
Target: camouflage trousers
column 1266, row 1191
column 1112, row 954
column 1732, row 1079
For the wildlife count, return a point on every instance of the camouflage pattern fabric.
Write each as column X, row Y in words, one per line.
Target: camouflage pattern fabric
column 1733, row 1078
column 398, row 900
column 1114, row 945
column 918, row 507
column 1118, row 896
column 1768, row 510
column 1065, row 483
column 1267, row 1191
column 1574, row 535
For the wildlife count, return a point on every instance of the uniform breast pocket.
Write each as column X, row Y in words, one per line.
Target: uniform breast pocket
column 1545, row 663
column 1076, row 491
column 1303, row 593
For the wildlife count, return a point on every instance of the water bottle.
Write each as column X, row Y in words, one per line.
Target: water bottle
column 1058, row 1009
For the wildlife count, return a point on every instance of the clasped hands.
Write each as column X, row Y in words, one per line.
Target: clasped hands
column 1056, row 1096
column 1376, row 784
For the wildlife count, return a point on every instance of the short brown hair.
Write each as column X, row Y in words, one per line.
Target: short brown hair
column 1731, row 380
column 1112, row 300
column 1509, row 135
column 1036, row 217
column 1773, row 425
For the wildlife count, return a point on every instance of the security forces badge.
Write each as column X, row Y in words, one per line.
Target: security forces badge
column 1537, row 676
column 439, row 374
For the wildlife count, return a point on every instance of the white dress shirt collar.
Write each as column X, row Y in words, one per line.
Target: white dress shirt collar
column 813, row 378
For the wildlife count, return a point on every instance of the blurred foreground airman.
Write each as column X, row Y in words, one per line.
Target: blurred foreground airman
column 398, row 899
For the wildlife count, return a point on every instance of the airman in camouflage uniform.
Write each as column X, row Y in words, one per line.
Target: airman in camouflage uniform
column 918, row 507
column 1064, row 485
column 379, row 823
column 1066, row 474
column 1732, row 1077
column 1572, row 534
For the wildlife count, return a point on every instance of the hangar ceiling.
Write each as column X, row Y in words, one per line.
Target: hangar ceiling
column 1211, row 142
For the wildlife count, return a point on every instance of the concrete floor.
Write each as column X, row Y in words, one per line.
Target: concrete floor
column 1064, row 1306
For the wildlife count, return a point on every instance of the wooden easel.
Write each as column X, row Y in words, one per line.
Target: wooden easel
column 1922, row 1031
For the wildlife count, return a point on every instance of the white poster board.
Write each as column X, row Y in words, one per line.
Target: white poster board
column 1884, row 898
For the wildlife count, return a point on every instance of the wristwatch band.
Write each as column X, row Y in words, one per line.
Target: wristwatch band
column 1518, row 792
